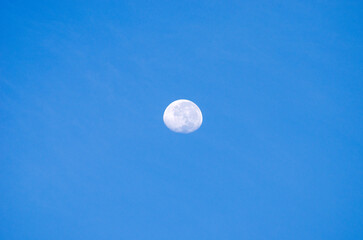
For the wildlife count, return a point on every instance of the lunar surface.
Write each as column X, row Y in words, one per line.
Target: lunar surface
column 183, row 116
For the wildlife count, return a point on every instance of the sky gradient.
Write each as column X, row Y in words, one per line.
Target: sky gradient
column 84, row 151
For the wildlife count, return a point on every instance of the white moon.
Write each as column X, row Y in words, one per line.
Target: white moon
column 183, row 116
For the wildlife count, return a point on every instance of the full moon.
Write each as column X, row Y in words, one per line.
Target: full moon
column 183, row 116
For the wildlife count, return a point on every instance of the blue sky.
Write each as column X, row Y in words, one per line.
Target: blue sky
column 84, row 152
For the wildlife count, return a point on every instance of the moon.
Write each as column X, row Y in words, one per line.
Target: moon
column 183, row 116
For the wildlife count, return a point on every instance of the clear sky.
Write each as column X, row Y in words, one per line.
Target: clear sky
column 84, row 152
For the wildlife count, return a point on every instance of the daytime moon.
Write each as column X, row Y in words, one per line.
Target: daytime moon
column 183, row 116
